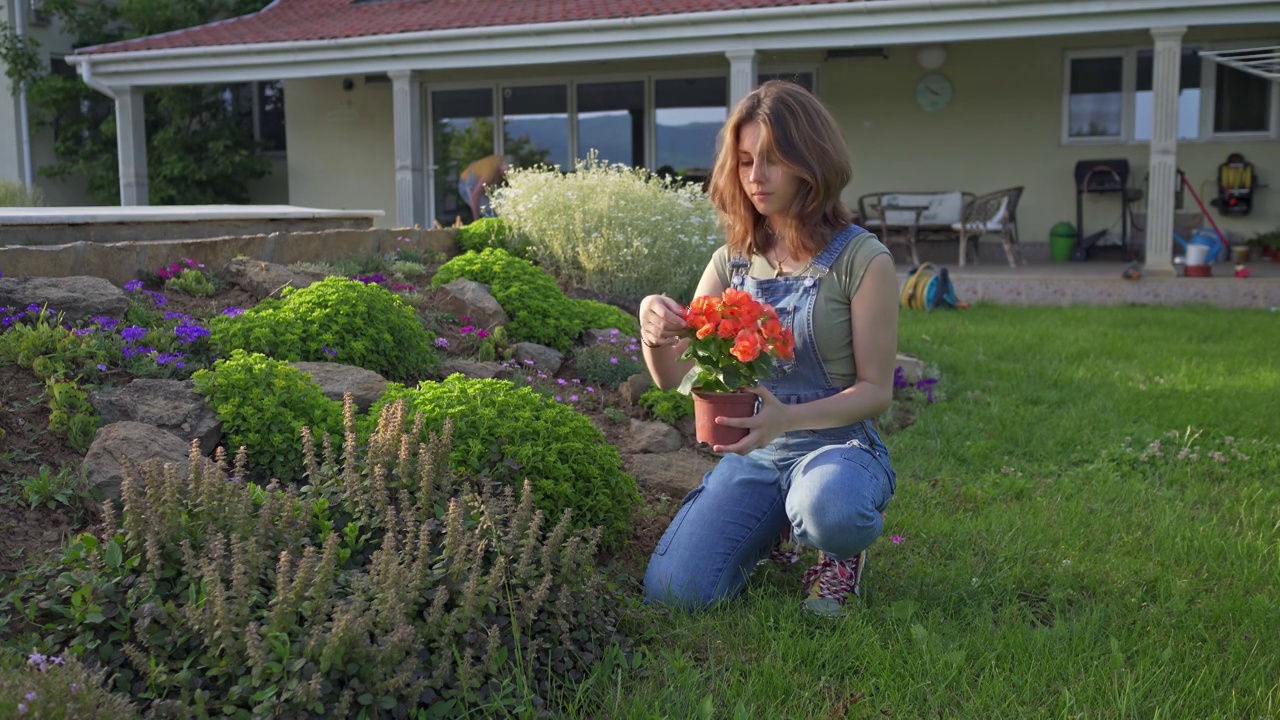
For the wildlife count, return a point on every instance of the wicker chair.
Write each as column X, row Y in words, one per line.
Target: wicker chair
column 992, row 214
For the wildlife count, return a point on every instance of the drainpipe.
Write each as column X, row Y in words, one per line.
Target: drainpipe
column 24, row 117
column 86, row 74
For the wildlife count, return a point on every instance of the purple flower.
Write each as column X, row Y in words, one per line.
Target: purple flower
column 75, row 687
column 31, row 697
column 36, row 658
column 528, row 362
column 613, row 361
column 189, row 332
column 56, row 660
column 573, row 398
column 133, row 333
column 561, row 381
column 466, row 319
column 166, row 358
column 131, row 351
column 133, row 285
column 466, row 329
column 558, row 399
column 176, row 316
column 442, row 343
column 106, row 323
column 328, row 351
column 81, row 332
column 22, row 709
column 159, row 298
column 101, row 368
column 590, row 389
column 899, row 379
column 34, row 309
column 482, row 334
column 897, row 539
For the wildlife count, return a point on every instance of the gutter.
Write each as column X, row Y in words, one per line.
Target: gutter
column 86, row 74
column 24, row 114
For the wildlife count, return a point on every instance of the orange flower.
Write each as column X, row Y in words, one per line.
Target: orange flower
column 746, row 347
column 729, row 328
column 706, row 330
column 702, row 311
column 785, row 345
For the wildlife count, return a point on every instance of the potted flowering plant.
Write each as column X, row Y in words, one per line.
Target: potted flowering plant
column 734, row 340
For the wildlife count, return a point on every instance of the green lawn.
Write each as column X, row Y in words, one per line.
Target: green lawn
column 1047, row 570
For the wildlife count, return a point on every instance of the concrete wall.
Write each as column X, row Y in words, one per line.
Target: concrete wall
column 121, row 262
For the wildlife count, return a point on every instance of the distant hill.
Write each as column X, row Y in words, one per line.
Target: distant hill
column 679, row 146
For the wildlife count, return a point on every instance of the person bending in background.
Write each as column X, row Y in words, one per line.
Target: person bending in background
column 812, row 467
column 478, row 176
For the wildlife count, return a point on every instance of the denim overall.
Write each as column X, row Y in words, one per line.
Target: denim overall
column 831, row 485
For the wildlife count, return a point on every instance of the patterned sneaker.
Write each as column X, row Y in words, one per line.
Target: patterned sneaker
column 786, row 551
column 831, row 582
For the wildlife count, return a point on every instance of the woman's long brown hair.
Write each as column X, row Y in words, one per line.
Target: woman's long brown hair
column 803, row 136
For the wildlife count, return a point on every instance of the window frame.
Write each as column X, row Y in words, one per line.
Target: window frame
column 1128, row 93
column 571, row 81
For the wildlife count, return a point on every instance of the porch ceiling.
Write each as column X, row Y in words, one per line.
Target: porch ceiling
column 1261, row 61
column 799, row 26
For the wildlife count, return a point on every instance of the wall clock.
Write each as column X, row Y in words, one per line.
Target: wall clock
column 933, row 92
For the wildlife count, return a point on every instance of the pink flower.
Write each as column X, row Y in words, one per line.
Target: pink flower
column 896, row 539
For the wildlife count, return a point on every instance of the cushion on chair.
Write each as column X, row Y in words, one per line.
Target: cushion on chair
column 944, row 208
column 994, row 225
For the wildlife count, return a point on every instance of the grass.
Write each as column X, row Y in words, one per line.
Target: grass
column 1050, row 568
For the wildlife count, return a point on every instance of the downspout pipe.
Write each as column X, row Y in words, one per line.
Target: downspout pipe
column 86, row 74
column 24, row 115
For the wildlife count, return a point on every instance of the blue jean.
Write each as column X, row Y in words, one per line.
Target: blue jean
column 832, row 493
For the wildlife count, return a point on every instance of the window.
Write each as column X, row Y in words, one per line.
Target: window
column 1096, row 97
column 688, row 115
column 1188, row 96
column 462, row 132
column 259, row 107
column 611, row 121
column 1108, row 98
column 1241, row 102
column 535, row 125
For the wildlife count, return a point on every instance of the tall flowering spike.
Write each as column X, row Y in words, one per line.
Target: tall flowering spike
column 220, row 459
column 472, row 598
column 426, row 480
column 404, row 468
column 454, row 539
column 493, row 646
column 109, row 528
column 351, row 470
column 309, row 455
column 569, row 559
column 321, row 590
column 282, row 581
column 242, row 581
column 553, row 544
column 419, row 421
column 519, row 523
column 529, row 548
column 196, row 471
column 256, row 656
column 380, row 496
column 348, row 413
column 538, row 599
column 241, row 469
column 303, row 577
column 330, row 458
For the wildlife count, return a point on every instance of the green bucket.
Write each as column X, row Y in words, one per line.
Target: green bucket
column 1062, row 240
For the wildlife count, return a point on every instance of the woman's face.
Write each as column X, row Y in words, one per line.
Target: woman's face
column 766, row 181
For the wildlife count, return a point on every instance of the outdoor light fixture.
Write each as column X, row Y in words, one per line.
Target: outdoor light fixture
column 931, row 57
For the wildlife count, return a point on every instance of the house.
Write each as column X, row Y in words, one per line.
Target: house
column 385, row 100
column 26, row 148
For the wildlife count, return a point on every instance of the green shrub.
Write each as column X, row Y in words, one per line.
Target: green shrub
column 669, row 406
column 507, row 434
column 492, row 233
column 382, row 587
column 71, row 417
column 192, row 282
column 612, row 229
column 39, row 686
column 539, row 311
column 609, row 361
column 35, row 338
column 337, row 320
column 15, row 194
column 263, row 405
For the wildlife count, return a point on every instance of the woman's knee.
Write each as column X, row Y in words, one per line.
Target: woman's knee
column 836, row 498
column 680, row 586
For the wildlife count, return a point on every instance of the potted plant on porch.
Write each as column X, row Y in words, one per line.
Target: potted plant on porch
column 734, row 341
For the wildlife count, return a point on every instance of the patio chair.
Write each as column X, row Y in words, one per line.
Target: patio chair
column 992, row 214
column 903, row 218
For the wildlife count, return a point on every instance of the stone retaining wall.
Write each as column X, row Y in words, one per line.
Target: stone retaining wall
column 158, row 230
column 124, row 261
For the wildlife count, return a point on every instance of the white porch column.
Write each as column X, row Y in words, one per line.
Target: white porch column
column 742, row 75
column 411, row 188
column 131, row 144
column 1163, row 179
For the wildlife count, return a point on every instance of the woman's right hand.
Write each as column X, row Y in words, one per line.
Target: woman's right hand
column 661, row 321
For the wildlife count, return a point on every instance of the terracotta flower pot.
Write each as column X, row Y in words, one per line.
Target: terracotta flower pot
column 707, row 406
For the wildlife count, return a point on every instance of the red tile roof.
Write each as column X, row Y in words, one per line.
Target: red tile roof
column 293, row 20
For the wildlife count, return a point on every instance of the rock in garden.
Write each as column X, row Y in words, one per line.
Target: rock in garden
column 912, row 367
column 263, row 279
column 471, row 369
column 547, row 359
column 75, row 297
column 335, row 379
column 465, row 298
column 673, row 474
column 171, row 405
column 653, row 437
column 137, row 442
column 634, row 387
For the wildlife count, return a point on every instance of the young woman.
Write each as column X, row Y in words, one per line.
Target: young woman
column 811, row 466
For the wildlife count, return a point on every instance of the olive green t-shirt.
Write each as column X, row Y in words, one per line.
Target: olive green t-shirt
column 832, row 322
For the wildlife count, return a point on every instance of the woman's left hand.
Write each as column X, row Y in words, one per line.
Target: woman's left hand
column 763, row 427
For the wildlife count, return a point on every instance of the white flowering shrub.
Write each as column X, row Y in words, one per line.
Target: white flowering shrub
column 612, row 229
